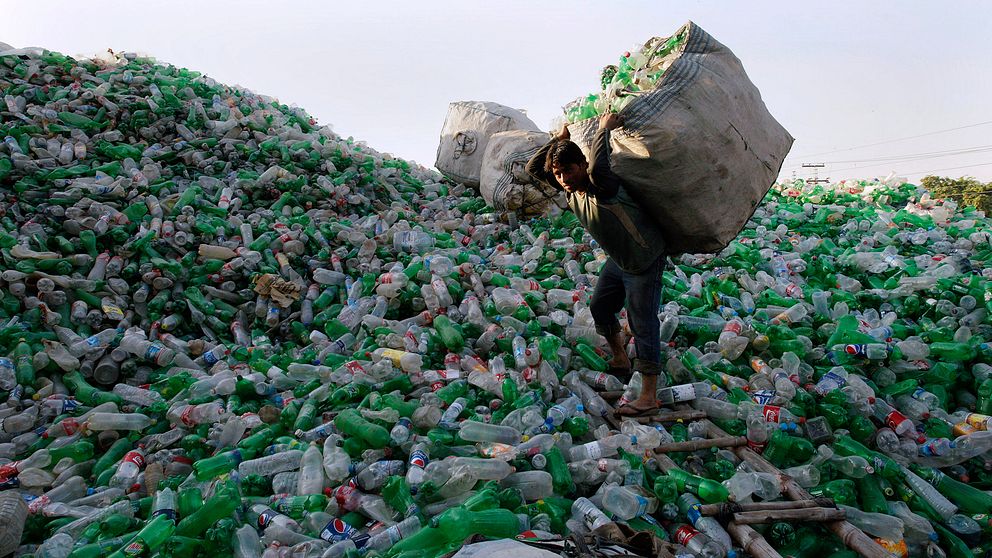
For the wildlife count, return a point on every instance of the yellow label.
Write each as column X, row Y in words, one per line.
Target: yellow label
column 113, row 312
column 898, row 548
column 963, row 429
column 980, row 422
column 393, row 355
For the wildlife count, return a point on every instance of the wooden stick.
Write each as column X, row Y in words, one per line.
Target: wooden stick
column 688, row 414
column 728, row 509
column 693, row 445
column 852, row 537
column 751, row 541
column 802, row 514
column 672, row 416
column 744, row 535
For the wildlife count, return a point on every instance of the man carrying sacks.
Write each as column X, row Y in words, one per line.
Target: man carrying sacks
column 634, row 243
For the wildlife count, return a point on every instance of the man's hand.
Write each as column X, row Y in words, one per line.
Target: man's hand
column 564, row 133
column 610, row 121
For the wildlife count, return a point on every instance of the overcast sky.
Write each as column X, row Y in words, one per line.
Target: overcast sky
column 841, row 76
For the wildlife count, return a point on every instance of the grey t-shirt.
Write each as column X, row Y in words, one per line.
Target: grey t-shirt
column 628, row 234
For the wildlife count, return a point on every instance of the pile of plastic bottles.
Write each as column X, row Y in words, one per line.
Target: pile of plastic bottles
column 638, row 71
column 229, row 331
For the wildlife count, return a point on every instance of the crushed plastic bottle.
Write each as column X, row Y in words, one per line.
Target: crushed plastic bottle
column 223, row 323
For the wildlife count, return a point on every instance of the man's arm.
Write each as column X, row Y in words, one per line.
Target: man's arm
column 535, row 167
column 605, row 182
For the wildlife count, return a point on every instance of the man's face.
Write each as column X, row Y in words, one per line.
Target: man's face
column 573, row 177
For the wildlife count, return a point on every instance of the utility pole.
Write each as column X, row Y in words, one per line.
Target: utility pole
column 816, row 170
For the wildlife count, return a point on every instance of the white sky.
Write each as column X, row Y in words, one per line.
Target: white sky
column 838, row 75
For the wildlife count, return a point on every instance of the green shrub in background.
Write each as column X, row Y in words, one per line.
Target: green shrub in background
column 965, row 190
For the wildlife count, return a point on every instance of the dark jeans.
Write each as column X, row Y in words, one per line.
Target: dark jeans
column 642, row 295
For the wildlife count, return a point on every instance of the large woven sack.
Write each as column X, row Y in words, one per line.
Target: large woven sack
column 504, row 182
column 466, row 132
column 700, row 150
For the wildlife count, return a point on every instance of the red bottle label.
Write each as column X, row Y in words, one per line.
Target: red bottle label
column 771, row 413
column 186, row 416
column 894, row 419
column 8, row 471
column 684, row 534
column 70, row 425
column 136, row 458
column 353, row 366
column 342, row 494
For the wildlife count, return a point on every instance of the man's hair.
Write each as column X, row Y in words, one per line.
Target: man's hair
column 563, row 152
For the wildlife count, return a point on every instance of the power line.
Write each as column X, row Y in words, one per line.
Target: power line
column 918, row 156
column 894, row 140
column 908, row 156
column 949, row 168
column 878, row 161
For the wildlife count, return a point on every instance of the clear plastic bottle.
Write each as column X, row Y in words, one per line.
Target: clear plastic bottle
column 880, row 525
column 532, row 485
column 689, row 505
column 131, row 466
column 376, row 474
column 627, row 503
column 271, row 464
column 162, row 356
column 589, row 514
column 597, row 448
column 311, row 479
column 697, row 543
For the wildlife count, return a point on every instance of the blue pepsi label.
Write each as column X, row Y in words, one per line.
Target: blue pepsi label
column 763, row 396
column 418, row 458
column 856, row 350
column 265, row 518
column 210, row 358
column 694, row 513
column 337, row 530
